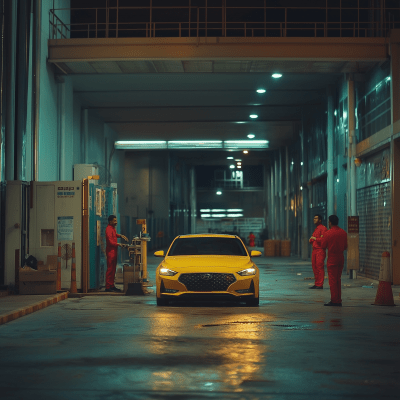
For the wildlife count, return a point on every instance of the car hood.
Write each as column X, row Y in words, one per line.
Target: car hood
column 207, row 263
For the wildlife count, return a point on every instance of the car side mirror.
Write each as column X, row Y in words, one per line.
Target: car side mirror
column 255, row 253
column 159, row 253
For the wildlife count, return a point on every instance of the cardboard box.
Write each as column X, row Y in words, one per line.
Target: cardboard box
column 37, row 282
column 52, row 263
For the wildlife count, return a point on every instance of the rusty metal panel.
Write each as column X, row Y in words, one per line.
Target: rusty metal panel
column 374, row 209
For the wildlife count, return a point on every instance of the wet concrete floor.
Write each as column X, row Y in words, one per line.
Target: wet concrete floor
column 291, row 347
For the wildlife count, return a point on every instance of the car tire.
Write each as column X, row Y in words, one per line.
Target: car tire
column 253, row 302
column 162, row 302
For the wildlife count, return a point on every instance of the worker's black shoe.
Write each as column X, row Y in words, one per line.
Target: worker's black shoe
column 109, row 290
column 114, row 289
column 316, row 287
column 330, row 304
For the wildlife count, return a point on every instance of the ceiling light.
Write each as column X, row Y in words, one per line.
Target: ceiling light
column 193, row 144
column 239, row 163
column 261, row 91
column 217, row 210
column 231, row 166
column 251, row 136
column 253, row 116
column 229, row 158
column 239, row 166
column 252, row 144
column 140, row 144
column 235, row 215
column 205, row 210
column 235, row 210
column 219, row 192
column 245, row 152
column 276, row 76
column 240, row 122
column 238, row 159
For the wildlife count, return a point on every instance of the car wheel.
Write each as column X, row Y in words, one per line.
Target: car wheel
column 162, row 302
column 253, row 302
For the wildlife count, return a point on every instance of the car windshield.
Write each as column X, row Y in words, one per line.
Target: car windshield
column 207, row 246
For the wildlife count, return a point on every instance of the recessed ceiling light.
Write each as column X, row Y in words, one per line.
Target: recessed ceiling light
column 251, row 136
column 261, row 90
column 239, row 166
column 245, row 152
column 276, row 76
column 253, row 116
column 240, row 122
column 219, row 193
column 232, row 166
column 238, row 159
column 229, row 158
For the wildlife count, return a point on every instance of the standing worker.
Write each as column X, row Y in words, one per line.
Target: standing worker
column 111, row 252
column 252, row 239
column 335, row 239
column 318, row 253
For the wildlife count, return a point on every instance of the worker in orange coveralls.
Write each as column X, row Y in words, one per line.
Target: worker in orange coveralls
column 252, row 239
column 335, row 240
column 318, row 253
column 111, row 252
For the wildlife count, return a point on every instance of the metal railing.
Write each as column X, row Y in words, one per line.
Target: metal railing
column 105, row 22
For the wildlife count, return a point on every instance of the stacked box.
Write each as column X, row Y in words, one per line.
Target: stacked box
column 37, row 282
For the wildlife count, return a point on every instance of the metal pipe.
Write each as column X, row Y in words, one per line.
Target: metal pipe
column 287, row 194
column 351, row 168
column 272, row 209
column 10, row 49
column 277, row 202
column 36, row 85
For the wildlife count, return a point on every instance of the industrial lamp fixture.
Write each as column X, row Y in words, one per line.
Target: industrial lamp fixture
column 357, row 161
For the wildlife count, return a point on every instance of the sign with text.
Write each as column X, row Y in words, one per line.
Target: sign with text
column 353, row 224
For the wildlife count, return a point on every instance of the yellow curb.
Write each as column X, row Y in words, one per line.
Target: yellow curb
column 32, row 308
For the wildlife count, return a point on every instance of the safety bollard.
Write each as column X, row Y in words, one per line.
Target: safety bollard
column 384, row 294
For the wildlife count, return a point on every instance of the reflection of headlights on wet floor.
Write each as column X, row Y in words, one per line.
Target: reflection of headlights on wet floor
column 247, row 272
column 167, row 272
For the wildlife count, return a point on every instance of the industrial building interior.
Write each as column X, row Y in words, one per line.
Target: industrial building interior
column 196, row 133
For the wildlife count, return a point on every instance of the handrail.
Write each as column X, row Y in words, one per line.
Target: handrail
column 107, row 22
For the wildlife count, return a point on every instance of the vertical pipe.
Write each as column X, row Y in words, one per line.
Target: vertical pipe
column 62, row 131
column 10, row 49
column 277, row 202
column 272, row 208
column 281, row 192
column 330, row 136
column 287, row 194
column 36, row 85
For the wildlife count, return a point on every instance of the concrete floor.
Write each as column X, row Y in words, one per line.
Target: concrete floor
column 291, row 347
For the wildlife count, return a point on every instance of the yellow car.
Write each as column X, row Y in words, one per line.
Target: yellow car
column 207, row 266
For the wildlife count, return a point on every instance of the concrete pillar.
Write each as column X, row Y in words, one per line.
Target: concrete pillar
column 281, row 214
column 304, row 217
column 351, row 152
column 85, row 135
column 395, row 152
column 330, row 184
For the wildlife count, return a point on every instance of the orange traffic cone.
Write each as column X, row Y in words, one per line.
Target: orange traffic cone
column 384, row 295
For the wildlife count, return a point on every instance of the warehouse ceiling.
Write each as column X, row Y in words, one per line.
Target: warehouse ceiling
column 201, row 100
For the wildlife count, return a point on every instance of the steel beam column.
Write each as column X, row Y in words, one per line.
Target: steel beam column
column 330, row 185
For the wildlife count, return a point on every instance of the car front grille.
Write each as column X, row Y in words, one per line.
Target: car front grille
column 207, row 282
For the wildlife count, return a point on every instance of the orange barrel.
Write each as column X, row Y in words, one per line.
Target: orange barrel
column 73, row 271
column 59, row 267
column 269, row 248
column 285, row 248
column 277, row 248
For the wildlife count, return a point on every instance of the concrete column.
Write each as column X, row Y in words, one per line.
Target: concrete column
column 395, row 152
column 85, row 135
column 304, row 217
column 351, row 152
column 281, row 195
column 330, row 135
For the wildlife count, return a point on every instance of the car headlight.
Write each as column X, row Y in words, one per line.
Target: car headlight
column 247, row 272
column 167, row 272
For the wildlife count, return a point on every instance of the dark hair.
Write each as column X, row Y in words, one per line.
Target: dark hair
column 111, row 217
column 333, row 219
column 319, row 216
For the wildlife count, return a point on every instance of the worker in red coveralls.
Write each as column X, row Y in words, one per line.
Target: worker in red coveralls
column 111, row 252
column 335, row 240
column 252, row 239
column 318, row 253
